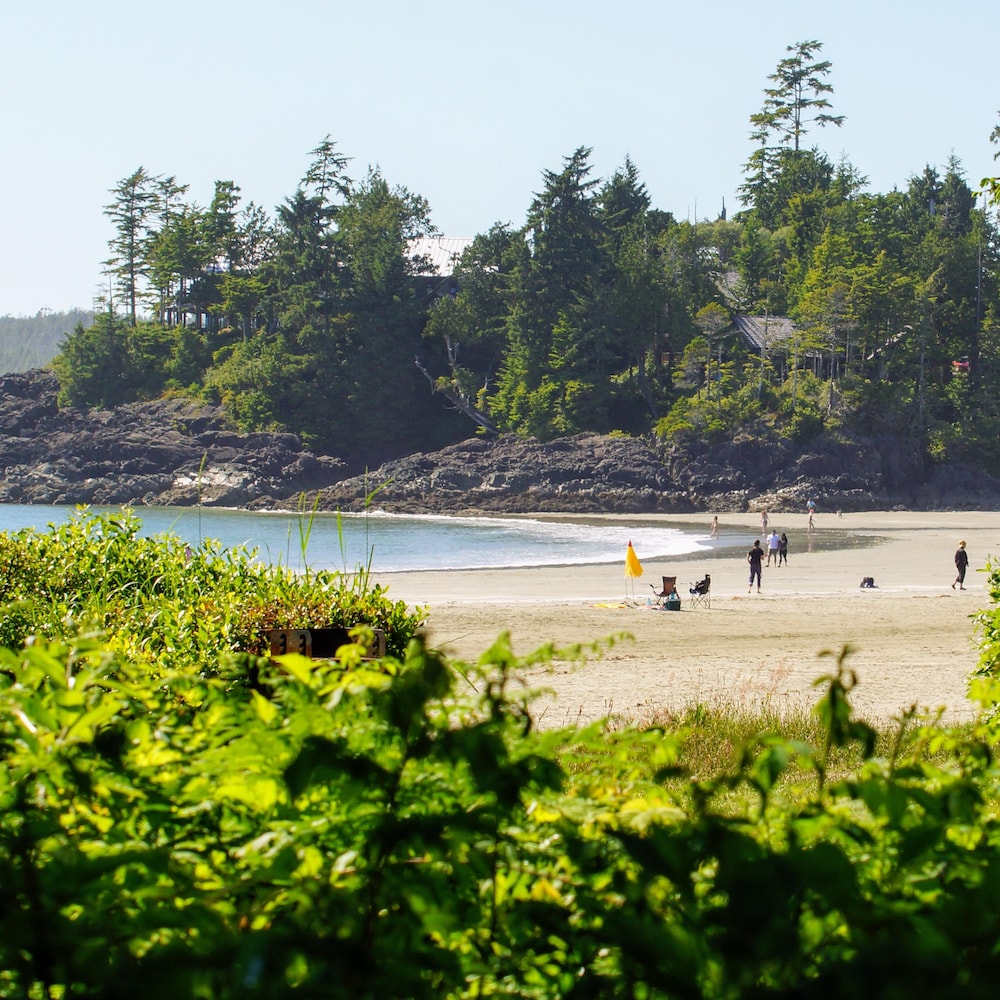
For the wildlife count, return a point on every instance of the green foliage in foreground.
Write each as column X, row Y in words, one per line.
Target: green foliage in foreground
column 169, row 605
column 399, row 829
column 380, row 834
column 988, row 625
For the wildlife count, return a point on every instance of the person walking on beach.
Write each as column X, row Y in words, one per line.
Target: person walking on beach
column 783, row 549
column 754, row 557
column 714, row 533
column 961, row 564
column 773, row 544
column 763, row 521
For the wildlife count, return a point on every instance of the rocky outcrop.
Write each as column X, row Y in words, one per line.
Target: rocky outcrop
column 592, row 474
column 164, row 452
column 585, row 473
column 179, row 452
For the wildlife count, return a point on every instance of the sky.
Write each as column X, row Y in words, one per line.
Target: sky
column 465, row 103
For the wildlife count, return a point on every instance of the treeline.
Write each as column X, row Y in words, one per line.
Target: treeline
column 33, row 341
column 598, row 313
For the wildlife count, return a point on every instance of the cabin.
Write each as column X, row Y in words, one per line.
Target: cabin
column 774, row 337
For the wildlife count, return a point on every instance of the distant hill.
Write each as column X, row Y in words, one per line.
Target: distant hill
column 28, row 342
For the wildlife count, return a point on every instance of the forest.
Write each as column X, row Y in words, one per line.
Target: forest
column 599, row 313
column 33, row 341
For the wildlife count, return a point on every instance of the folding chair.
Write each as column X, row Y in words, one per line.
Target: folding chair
column 701, row 592
column 669, row 586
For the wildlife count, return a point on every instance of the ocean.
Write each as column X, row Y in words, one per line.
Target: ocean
column 388, row 543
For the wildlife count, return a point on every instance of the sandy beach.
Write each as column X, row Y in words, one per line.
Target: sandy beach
column 913, row 636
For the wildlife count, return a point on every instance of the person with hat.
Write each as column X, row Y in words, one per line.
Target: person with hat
column 961, row 564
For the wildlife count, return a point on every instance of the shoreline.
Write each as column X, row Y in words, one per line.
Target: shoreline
column 912, row 636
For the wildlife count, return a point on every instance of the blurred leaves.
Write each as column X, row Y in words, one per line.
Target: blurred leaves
column 383, row 831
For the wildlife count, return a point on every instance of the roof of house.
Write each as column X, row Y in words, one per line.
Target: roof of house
column 441, row 251
column 765, row 332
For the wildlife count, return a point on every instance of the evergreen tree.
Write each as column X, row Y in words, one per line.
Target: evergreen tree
column 290, row 372
column 164, row 252
column 712, row 320
column 242, row 289
column 556, row 280
column 632, row 293
column 466, row 331
column 756, row 262
column 93, row 365
column 780, row 168
column 797, row 98
column 376, row 224
column 131, row 212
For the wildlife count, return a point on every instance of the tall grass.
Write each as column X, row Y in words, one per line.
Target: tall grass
column 719, row 735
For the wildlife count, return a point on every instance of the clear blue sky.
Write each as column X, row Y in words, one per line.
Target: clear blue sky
column 465, row 103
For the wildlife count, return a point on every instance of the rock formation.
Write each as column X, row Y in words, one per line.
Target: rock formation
column 172, row 452
column 593, row 474
column 177, row 452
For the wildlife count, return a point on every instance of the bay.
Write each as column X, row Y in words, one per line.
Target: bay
column 389, row 543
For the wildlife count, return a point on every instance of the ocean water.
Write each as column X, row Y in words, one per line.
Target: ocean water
column 395, row 542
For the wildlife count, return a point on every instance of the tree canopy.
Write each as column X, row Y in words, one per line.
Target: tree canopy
column 599, row 313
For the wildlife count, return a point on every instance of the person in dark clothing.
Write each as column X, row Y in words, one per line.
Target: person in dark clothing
column 961, row 564
column 754, row 557
column 783, row 549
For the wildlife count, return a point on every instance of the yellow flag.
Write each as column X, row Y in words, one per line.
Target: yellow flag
column 632, row 565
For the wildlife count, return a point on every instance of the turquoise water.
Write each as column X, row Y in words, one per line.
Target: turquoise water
column 397, row 542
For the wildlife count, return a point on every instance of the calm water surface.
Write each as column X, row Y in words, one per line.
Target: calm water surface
column 398, row 542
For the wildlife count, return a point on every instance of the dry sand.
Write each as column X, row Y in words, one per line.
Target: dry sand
column 913, row 637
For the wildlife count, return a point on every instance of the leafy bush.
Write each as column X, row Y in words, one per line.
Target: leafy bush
column 171, row 605
column 400, row 829
column 407, row 833
column 988, row 625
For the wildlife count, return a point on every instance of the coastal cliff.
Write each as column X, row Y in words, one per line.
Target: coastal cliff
column 177, row 452
column 165, row 452
column 602, row 474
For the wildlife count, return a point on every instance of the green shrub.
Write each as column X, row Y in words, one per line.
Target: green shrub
column 406, row 832
column 400, row 829
column 175, row 606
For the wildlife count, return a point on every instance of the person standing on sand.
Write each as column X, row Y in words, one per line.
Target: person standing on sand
column 961, row 564
column 763, row 521
column 754, row 557
column 773, row 544
column 714, row 533
column 783, row 549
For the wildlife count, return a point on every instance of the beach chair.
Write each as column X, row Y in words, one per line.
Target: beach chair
column 701, row 592
column 669, row 586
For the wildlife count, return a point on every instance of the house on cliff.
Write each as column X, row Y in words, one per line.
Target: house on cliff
column 778, row 339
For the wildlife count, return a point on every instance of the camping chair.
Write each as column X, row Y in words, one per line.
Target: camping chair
column 701, row 592
column 669, row 586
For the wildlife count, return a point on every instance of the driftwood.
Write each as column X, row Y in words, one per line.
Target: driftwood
column 450, row 390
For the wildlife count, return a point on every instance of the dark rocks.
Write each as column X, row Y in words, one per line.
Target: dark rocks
column 583, row 474
column 178, row 452
column 594, row 474
column 164, row 452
